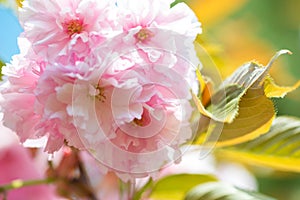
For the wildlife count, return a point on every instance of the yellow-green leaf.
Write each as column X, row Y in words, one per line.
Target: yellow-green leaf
column 224, row 104
column 221, row 191
column 279, row 148
column 273, row 90
column 240, row 110
column 1, row 65
column 175, row 187
column 201, row 80
column 256, row 113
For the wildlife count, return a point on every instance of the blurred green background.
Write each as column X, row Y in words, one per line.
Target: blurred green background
column 277, row 23
column 236, row 31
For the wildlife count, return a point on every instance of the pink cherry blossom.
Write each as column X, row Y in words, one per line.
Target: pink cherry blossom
column 121, row 93
column 140, row 112
column 65, row 31
column 157, row 14
column 19, row 101
column 161, row 33
column 54, row 96
column 18, row 96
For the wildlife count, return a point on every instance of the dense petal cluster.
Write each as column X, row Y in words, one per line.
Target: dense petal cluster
column 111, row 78
column 66, row 31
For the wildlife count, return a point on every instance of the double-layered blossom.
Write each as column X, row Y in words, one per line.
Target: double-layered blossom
column 66, row 31
column 112, row 78
column 140, row 110
column 19, row 102
column 160, row 32
column 18, row 96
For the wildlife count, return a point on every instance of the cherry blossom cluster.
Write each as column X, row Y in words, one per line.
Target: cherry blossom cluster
column 110, row 77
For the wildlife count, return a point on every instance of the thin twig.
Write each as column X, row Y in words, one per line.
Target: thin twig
column 18, row 183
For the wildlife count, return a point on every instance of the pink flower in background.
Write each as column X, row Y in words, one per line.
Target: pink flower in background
column 105, row 185
column 66, row 31
column 16, row 163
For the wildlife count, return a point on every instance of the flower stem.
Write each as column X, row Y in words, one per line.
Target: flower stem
column 127, row 190
column 18, row 183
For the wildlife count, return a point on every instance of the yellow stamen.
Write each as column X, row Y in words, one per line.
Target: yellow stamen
column 138, row 122
column 101, row 95
column 73, row 27
column 144, row 35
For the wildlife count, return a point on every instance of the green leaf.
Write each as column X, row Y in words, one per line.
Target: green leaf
column 273, row 90
column 241, row 110
column 279, row 148
column 1, row 65
column 138, row 194
column 176, row 2
column 220, row 191
column 224, row 105
column 256, row 113
column 175, row 187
